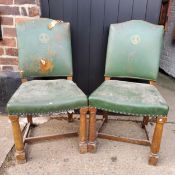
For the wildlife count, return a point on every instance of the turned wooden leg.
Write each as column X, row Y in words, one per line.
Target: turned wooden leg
column 92, row 130
column 70, row 117
column 105, row 116
column 29, row 119
column 83, row 131
column 19, row 145
column 156, row 141
column 145, row 121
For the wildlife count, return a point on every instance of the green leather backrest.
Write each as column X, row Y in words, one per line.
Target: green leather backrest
column 134, row 50
column 44, row 52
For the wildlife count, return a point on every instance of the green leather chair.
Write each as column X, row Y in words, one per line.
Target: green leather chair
column 45, row 51
column 133, row 52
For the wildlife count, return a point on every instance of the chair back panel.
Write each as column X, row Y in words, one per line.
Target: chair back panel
column 44, row 52
column 134, row 50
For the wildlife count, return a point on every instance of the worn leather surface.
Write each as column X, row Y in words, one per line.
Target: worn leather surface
column 129, row 98
column 44, row 52
column 134, row 50
column 45, row 96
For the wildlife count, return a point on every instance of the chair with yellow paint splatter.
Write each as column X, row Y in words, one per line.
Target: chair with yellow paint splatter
column 45, row 51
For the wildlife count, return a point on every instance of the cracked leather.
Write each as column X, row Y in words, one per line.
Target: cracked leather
column 45, row 96
column 129, row 98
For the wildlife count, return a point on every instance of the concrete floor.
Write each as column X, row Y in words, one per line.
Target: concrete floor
column 61, row 157
column 6, row 138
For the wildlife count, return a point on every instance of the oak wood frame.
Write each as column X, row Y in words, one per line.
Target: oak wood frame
column 92, row 144
column 83, row 140
column 154, row 144
column 19, row 144
column 21, row 139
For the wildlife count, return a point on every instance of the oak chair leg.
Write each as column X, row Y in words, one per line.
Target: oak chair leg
column 145, row 121
column 29, row 119
column 105, row 116
column 70, row 117
column 19, row 145
column 83, row 131
column 92, row 145
column 156, row 141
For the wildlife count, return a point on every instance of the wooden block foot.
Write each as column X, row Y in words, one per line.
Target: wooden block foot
column 153, row 159
column 92, row 147
column 83, row 147
column 20, row 157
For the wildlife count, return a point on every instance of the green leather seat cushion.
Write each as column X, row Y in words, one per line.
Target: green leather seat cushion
column 129, row 98
column 45, row 96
